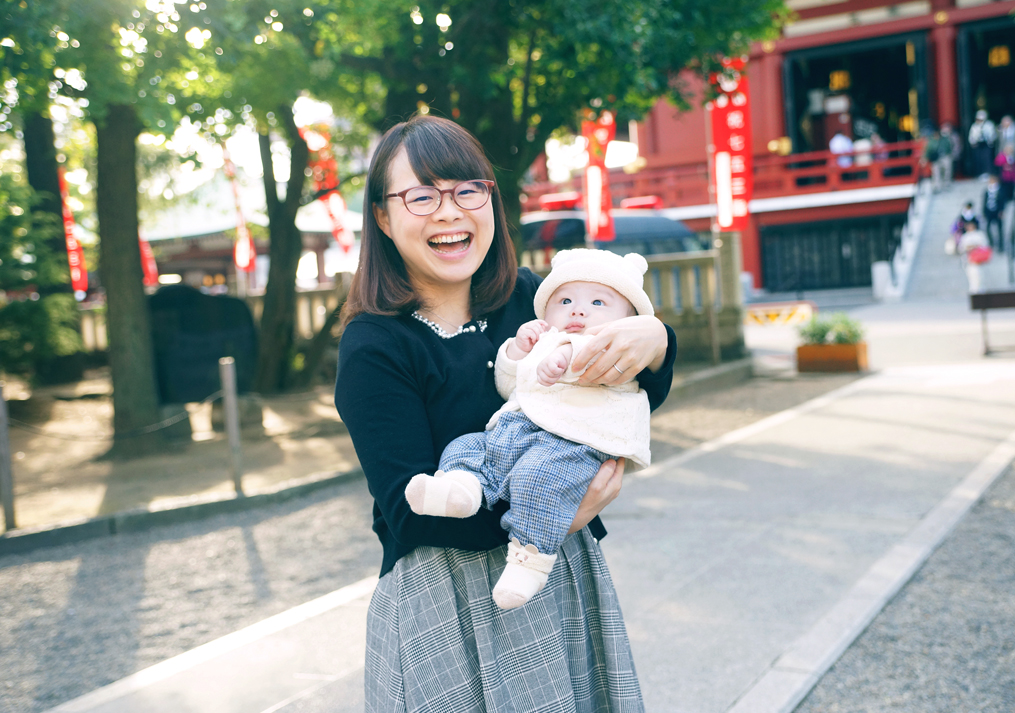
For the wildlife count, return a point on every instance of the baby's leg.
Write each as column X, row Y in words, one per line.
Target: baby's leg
column 546, row 487
column 455, row 490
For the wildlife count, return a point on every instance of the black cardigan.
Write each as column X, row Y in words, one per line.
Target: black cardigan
column 405, row 393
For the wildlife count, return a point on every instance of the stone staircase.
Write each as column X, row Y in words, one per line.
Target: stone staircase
column 937, row 276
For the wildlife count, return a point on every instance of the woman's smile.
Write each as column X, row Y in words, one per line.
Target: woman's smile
column 450, row 243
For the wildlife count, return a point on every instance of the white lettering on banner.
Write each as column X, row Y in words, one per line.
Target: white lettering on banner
column 739, row 208
column 738, row 186
column 737, row 164
column 723, row 189
column 595, row 197
column 739, row 99
column 735, row 120
column 737, row 142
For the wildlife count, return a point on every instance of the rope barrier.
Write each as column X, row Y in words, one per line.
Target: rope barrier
column 133, row 433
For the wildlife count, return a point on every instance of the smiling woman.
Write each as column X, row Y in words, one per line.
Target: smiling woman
column 436, row 293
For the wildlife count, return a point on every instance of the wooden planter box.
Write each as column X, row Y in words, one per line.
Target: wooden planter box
column 832, row 357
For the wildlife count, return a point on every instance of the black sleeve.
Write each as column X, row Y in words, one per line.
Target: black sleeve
column 379, row 399
column 657, row 385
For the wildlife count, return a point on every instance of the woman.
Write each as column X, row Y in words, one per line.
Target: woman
column 436, row 293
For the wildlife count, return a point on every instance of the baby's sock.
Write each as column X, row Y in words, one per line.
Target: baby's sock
column 526, row 573
column 456, row 493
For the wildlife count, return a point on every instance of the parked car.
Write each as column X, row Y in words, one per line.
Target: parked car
column 642, row 231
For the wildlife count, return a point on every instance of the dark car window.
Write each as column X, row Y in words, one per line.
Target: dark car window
column 646, row 234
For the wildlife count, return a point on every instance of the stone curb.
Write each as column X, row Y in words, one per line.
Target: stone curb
column 180, row 510
column 24, row 540
column 721, row 376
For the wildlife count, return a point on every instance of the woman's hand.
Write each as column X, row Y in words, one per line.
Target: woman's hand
column 631, row 344
column 603, row 490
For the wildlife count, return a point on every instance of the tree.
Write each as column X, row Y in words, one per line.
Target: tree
column 27, row 59
column 514, row 72
column 274, row 52
column 37, row 327
column 131, row 66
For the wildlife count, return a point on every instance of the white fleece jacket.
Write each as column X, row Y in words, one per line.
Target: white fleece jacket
column 612, row 419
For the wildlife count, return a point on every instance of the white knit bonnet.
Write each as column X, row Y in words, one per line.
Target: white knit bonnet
column 624, row 274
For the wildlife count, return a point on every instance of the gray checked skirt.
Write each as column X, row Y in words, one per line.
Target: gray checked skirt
column 437, row 642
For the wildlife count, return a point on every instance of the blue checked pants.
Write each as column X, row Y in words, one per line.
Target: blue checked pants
column 543, row 476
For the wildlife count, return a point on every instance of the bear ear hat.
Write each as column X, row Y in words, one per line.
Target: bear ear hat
column 625, row 274
column 638, row 262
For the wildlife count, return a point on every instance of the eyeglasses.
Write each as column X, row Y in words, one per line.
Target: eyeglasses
column 424, row 200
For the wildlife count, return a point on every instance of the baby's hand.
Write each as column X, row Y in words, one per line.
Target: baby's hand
column 528, row 334
column 551, row 368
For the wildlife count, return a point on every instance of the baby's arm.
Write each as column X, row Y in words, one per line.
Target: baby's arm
column 525, row 339
column 554, row 365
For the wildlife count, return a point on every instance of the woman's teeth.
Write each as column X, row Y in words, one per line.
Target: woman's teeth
column 459, row 242
column 448, row 238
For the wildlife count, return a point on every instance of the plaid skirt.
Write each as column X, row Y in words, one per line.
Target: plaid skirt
column 437, row 642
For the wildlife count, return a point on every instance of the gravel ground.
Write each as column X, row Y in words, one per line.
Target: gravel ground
column 946, row 643
column 80, row 616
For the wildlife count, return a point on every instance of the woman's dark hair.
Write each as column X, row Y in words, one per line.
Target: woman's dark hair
column 438, row 150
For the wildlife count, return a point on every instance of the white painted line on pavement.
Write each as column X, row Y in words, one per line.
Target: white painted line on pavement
column 206, row 652
column 740, row 434
column 781, row 688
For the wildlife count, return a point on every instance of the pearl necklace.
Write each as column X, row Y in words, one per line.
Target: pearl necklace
column 439, row 331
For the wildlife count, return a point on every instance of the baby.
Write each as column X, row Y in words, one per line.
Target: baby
column 544, row 446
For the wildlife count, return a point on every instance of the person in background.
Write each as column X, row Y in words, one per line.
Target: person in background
column 933, row 149
column 949, row 151
column 842, row 144
column 878, row 147
column 1005, row 164
column 982, row 136
column 966, row 215
column 1005, row 133
column 993, row 210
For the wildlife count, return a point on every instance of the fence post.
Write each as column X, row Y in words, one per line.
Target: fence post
column 227, row 372
column 6, row 477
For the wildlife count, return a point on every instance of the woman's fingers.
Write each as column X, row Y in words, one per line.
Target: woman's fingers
column 604, row 489
column 618, row 351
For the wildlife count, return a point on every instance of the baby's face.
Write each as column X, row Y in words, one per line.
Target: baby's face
column 576, row 306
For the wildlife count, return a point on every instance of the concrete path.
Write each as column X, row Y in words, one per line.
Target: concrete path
column 745, row 565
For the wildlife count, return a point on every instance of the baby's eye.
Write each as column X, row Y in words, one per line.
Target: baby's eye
column 566, row 301
column 597, row 303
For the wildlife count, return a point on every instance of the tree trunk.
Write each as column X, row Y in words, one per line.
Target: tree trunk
column 278, row 319
column 44, row 177
column 131, row 358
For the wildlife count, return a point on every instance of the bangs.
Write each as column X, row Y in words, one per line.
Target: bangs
column 442, row 151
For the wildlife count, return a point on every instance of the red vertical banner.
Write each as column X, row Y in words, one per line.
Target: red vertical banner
column 148, row 266
column 324, row 175
column 75, row 253
column 596, row 184
column 730, row 146
column 244, row 251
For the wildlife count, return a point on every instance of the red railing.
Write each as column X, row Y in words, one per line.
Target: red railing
column 815, row 172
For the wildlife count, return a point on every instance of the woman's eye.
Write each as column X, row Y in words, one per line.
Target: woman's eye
column 566, row 301
column 597, row 303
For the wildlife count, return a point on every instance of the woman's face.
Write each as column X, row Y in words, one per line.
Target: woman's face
column 440, row 250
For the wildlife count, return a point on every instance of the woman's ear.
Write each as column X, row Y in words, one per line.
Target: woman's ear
column 381, row 216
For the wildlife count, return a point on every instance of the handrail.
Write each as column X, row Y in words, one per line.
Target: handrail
column 774, row 176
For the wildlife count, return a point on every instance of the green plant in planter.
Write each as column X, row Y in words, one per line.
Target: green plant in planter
column 838, row 328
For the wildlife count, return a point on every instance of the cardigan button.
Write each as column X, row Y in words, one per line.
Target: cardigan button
column 489, row 365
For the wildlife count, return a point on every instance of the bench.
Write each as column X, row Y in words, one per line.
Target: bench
column 984, row 301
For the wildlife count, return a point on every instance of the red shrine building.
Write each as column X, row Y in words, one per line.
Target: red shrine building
column 872, row 70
